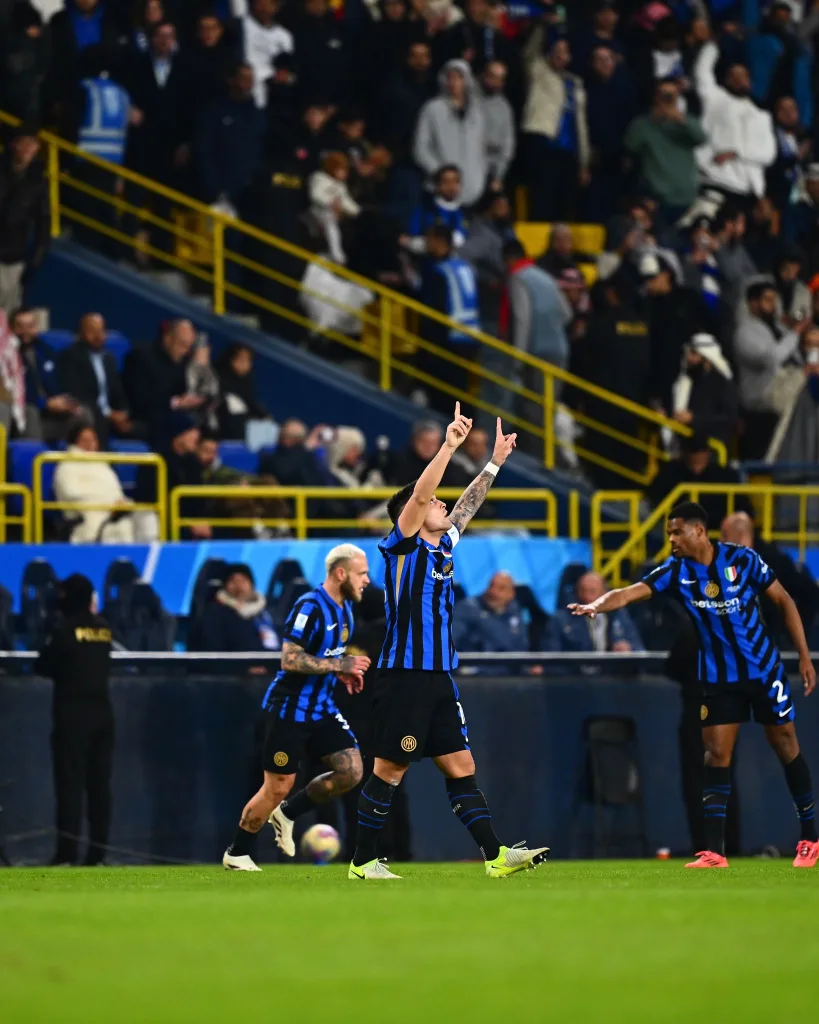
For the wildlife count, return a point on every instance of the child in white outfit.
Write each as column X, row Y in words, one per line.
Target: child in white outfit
column 330, row 200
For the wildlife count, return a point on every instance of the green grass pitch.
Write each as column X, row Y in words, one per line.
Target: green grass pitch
column 574, row 942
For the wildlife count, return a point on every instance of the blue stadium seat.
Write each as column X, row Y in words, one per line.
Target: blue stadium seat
column 23, row 453
column 238, row 456
column 127, row 472
column 115, row 343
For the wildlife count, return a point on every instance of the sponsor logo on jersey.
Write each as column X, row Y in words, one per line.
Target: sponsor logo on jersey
column 334, row 652
column 447, row 575
column 719, row 607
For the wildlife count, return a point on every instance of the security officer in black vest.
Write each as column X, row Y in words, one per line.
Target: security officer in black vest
column 77, row 658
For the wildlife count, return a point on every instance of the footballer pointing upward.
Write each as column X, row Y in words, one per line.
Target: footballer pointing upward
column 416, row 711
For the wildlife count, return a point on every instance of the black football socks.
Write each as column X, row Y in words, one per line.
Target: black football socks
column 373, row 807
column 299, row 803
column 715, row 795
column 471, row 809
column 797, row 775
column 243, row 843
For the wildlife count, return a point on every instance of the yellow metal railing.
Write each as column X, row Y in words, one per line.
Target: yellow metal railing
column 301, row 523
column 620, row 565
column 3, row 450
column 602, row 526
column 24, row 519
column 159, row 507
column 205, row 248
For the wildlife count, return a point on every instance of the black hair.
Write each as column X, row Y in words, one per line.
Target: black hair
column 513, row 250
column 240, row 569
column 397, row 503
column 74, row 594
column 441, row 232
column 757, row 289
column 208, row 435
column 76, row 428
column 689, row 512
column 445, row 169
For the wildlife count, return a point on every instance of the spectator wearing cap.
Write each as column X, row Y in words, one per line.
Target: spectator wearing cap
column 675, row 313
column 492, row 624
column 534, row 315
column 263, row 41
column 229, row 138
column 556, row 144
column 611, row 107
column 664, row 142
column 696, row 465
column 24, row 218
column 704, row 396
column 740, row 137
column 237, row 619
column 483, row 250
column 499, row 122
column 804, row 222
column 443, row 207
column 451, row 131
column 88, row 375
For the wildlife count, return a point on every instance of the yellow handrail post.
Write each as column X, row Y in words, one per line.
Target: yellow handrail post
column 385, row 355
column 26, row 515
column 174, row 514
column 574, row 515
column 162, row 497
column 548, row 418
column 53, row 171
column 218, row 265
column 37, row 494
column 301, row 516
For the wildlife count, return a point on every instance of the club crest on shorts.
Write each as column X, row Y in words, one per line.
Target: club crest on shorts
column 280, row 759
column 703, row 712
column 712, row 590
column 345, row 634
column 409, row 743
column 730, row 573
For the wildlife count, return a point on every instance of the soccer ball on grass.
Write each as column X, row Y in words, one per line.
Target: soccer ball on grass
column 320, row 844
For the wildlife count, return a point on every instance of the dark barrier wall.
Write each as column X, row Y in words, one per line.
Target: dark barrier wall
column 186, row 759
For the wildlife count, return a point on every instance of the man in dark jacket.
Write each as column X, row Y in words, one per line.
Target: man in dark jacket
column 155, row 378
column 611, row 100
column 322, row 57
column 183, row 467
column 24, row 220
column 89, row 376
column 229, row 140
column 77, row 658
column 81, row 23
column 696, row 466
column 212, row 56
column 492, row 623
column 47, row 412
column 237, row 618
column 293, row 463
column 704, row 394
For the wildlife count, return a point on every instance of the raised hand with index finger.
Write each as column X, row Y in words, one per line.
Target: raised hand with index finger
column 458, row 429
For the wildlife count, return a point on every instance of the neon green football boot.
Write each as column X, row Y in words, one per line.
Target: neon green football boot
column 515, row 858
column 375, row 870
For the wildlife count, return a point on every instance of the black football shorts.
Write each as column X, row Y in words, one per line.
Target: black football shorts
column 287, row 741
column 769, row 702
column 416, row 714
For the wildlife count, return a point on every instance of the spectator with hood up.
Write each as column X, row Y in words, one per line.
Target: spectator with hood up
column 450, row 130
column 704, row 396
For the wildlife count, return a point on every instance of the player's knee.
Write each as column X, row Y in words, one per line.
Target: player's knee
column 717, row 756
column 389, row 771
column 276, row 787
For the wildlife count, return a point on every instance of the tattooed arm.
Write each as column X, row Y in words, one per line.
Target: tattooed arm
column 475, row 495
column 294, row 659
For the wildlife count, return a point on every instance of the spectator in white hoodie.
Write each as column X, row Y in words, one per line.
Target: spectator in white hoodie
column 741, row 140
column 330, row 201
column 89, row 482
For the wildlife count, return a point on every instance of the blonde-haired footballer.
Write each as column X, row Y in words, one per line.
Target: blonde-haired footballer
column 301, row 714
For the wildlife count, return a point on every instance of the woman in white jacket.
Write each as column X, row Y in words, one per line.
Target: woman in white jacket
column 85, row 481
column 330, row 200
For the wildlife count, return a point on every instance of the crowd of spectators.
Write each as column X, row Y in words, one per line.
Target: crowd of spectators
column 390, row 136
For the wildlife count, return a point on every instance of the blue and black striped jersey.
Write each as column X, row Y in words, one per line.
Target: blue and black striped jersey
column 722, row 600
column 419, row 599
column 322, row 628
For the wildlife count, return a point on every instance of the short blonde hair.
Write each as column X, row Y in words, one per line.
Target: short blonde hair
column 341, row 553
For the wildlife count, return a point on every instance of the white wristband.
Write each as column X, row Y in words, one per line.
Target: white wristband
column 490, row 467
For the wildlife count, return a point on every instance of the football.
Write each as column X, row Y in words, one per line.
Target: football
column 320, row 844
